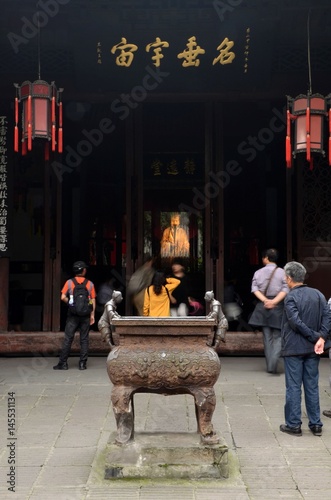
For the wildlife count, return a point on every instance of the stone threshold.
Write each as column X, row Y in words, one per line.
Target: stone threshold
column 49, row 344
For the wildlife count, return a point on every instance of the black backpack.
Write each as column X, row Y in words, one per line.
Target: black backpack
column 81, row 304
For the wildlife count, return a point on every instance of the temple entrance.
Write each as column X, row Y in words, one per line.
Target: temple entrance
column 177, row 180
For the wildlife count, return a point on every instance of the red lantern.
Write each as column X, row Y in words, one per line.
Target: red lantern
column 39, row 119
column 308, row 113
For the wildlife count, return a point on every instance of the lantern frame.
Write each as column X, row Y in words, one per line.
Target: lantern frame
column 41, row 115
column 307, row 112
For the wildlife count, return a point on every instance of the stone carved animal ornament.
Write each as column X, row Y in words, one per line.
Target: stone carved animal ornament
column 220, row 319
column 109, row 313
column 162, row 365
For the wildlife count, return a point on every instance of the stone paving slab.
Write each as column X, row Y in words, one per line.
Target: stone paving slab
column 311, row 495
column 71, row 456
column 262, row 494
column 58, row 493
column 268, row 477
column 64, row 420
column 66, row 475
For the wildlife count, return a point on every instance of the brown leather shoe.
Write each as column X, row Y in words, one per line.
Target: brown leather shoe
column 327, row 413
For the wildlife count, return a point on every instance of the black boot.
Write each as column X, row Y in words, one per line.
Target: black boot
column 61, row 366
column 82, row 365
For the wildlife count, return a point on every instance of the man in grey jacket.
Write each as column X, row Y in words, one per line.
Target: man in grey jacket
column 305, row 329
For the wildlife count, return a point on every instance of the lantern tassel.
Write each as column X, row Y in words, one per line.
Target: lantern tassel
column 53, row 137
column 60, row 114
column 53, row 109
column 16, row 139
column 288, row 149
column 60, row 140
column 288, row 152
column 16, row 110
column 308, row 148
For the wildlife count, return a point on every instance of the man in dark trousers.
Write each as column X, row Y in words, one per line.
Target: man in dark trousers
column 81, row 309
column 305, row 335
column 270, row 288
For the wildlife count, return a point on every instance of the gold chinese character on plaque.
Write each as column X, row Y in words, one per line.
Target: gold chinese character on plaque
column 126, row 55
column 172, row 168
column 189, row 166
column 225, row 55
column 191, row 53
column 157, row 46
column 156, row 167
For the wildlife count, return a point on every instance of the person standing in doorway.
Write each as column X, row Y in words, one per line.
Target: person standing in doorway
column 270, row 288
column 158, row 295
column 79, row 293
column 305, row 335
column 139, row 281
column 180, row 294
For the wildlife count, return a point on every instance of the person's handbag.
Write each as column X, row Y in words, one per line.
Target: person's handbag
column 256, row 318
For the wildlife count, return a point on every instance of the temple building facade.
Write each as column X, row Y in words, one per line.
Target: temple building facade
column 186, row 129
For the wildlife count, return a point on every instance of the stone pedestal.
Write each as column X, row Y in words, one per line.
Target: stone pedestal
column 166, row 455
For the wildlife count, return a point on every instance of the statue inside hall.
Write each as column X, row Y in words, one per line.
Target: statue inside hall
column 175, row 242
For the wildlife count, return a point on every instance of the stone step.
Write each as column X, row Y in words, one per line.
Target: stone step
column 166, row 455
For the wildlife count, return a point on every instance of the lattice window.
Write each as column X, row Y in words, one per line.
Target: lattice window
column 56, row 61
column 316, row 202
column 287, row 59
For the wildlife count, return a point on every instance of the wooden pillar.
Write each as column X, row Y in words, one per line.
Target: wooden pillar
column 209, row 281
column 47, row 276
column 4, row 291
column 129, row 148
column 219, row 204
column 289, row 215
column 56, row 263
column 138, row 141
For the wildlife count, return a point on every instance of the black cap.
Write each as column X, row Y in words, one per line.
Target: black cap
column 79, row 266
